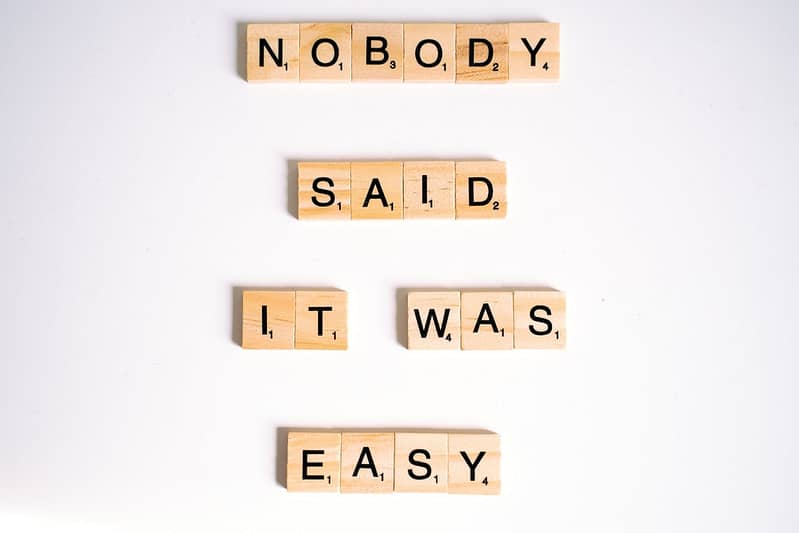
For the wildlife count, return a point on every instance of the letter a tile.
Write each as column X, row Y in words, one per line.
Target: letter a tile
column 486, row 320
column 367, row 462
column 376, row 189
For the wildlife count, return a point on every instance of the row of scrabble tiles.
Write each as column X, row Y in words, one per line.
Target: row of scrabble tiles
column 437, row 320
column 401, row 189
column 486, row 320
column 394, row 52
column 457, row 463
column 285, row 320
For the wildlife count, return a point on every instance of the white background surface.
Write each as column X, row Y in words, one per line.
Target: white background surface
column 143, row 181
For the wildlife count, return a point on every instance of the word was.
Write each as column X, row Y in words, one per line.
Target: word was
column 394, row 52
column 302, row 320
column 486, row 320
column 397, row 189
column 457, row 463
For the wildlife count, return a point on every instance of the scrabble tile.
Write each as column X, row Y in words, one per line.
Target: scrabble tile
column 486, row 320
column 482, row 53
column 474, row 463
column 367, row 462
column 313, row 462
column 480, row 189
column 325, row 52
column 377, row 52
column 267, row 320
column 323, row 190
column 430, row 53
column 429, row 189
column 321, row 320
column 420, row 462
column 434, row 320
column 376, row 190
column 534, row 51
column 273, row 52
column 539, row 319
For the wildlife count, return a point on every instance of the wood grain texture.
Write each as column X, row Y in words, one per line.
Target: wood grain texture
column 421, row 462
column 270, row 41
column 486, row 320
column 480, row 189
column 539, row 319
column 490, row 62
column 376, row 189
column 387, row 61
column 322, row 462
column 367, row 462
column 331, row 45
column 327, row 176
column 430, row 53
column 429, row 189
column 321, row 320
column 434, row 320
column 278, row 309
column 534, row 51
column 474, row 463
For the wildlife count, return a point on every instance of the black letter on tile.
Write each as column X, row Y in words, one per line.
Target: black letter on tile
column 320, row 311
column 489, row 190
column 264, row 45
column 306, row 464
column 315, row 47
column 489, row 47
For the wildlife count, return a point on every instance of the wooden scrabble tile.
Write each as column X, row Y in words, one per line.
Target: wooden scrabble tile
column 420, row 462
column 376, row 189
column 474, row 463
column 486, row 320
column 325, row 52
column 429, row 189
column 273, row 52
column 367, row 462
column 267, row 320
column 482, row 53
column 434, row 320
column 430, row 52
column 321, row 320
column 539, row 319
column 377, row 52
column 323, row 190
column 534, row 51
column 480, row 189
column 313, row 462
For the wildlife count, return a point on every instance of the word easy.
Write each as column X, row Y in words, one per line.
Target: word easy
column 397, row 189
column 378, row 52
column 458, row 463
